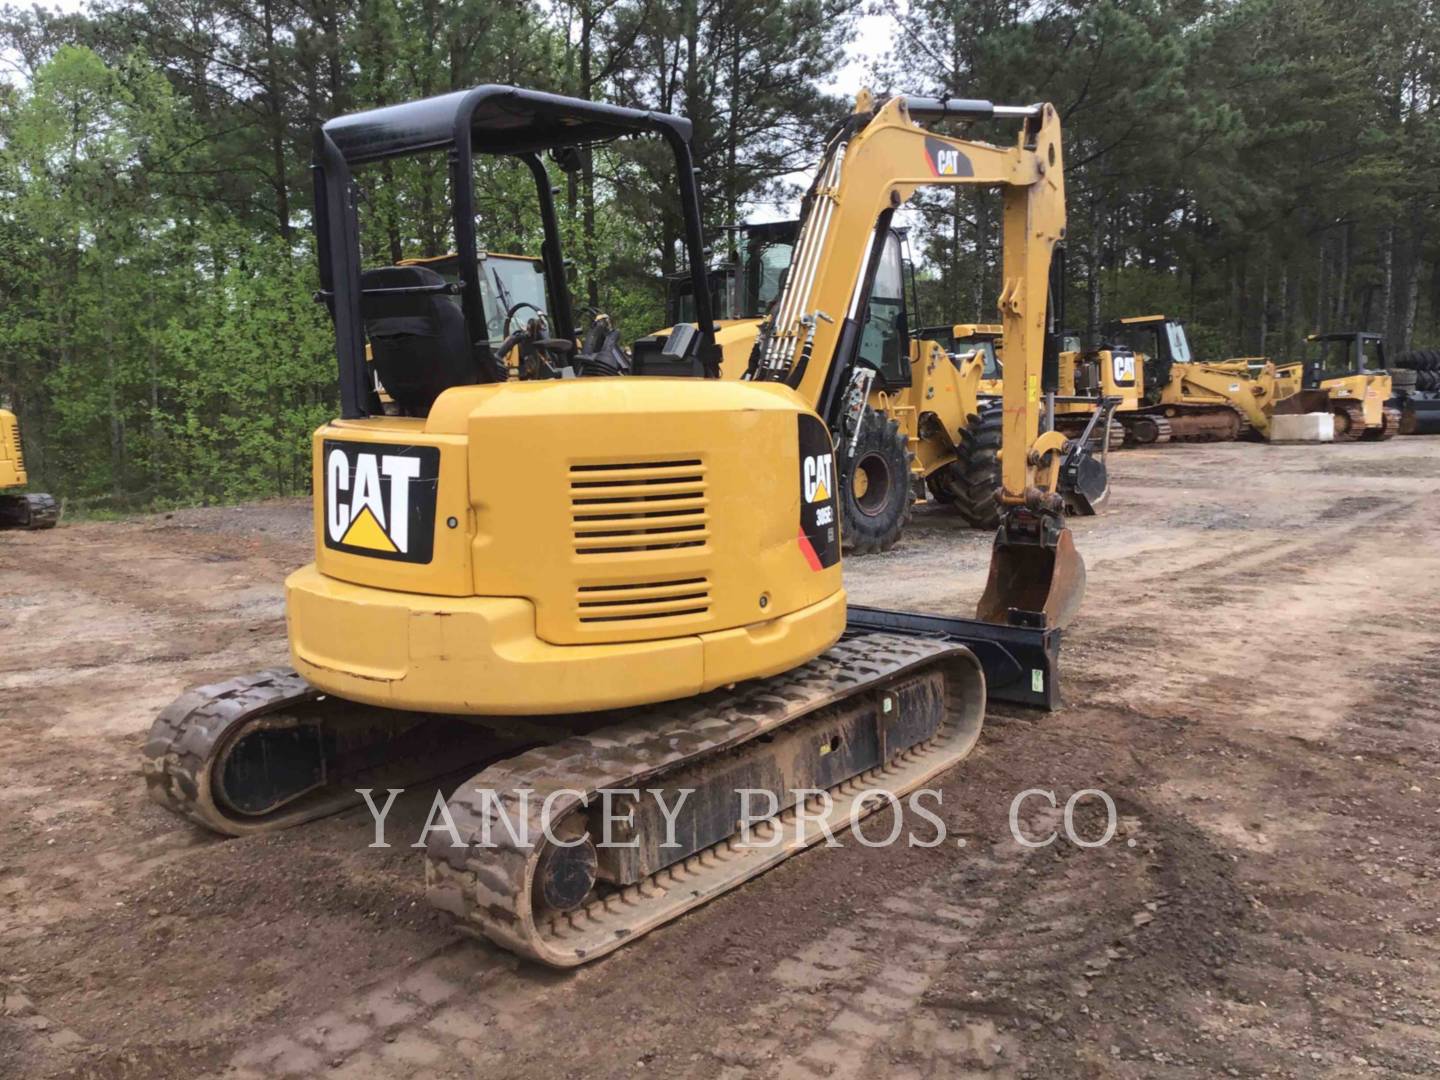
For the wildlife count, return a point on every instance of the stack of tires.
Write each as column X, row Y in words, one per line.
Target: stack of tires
column 1415, row 384
column 1417, row 370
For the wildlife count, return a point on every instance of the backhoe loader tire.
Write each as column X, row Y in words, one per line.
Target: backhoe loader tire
column 941, row 484
column 977, row 492
column 875, row 497
column 1420, row 360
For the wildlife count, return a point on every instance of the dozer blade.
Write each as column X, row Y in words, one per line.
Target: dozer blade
column 1420, row 417
column 1033, row 578
column 1305, row 401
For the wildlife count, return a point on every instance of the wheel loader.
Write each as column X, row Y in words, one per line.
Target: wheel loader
column 599, row 589
column 22, row 509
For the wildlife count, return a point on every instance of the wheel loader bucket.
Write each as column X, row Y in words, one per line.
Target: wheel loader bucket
column 1030, row 580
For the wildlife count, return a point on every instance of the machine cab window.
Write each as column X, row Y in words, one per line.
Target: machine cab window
column 884, row 340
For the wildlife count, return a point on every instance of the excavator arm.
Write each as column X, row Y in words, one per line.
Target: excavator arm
column 874, row 162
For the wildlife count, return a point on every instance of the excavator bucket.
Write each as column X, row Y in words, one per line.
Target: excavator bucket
column 1030, row 579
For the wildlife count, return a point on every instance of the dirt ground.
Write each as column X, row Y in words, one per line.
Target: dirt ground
column 1254, row 681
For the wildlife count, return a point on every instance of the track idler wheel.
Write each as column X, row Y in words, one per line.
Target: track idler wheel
column 1037, row 577
column 1146, row 430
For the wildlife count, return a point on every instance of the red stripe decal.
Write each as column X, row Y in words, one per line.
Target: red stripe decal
column 808, row 550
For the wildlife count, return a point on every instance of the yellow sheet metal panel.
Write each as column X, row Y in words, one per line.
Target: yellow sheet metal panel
column 631, row 509
column 638, row 509
column 12, row 458
column 481, row 655
column 390, row 506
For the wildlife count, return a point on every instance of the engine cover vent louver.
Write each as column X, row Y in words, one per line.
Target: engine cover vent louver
column 617, row 508
column 612, row 603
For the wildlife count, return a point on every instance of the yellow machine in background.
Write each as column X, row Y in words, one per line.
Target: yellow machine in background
column 916, row 408
column 1134, row 366
column 1340, row 382
column 1251, row 385
column 597, row 584
column 20, row 510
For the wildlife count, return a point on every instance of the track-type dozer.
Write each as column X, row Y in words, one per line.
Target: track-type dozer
column 1339, row 381
column 20, row 509
column 619, row 598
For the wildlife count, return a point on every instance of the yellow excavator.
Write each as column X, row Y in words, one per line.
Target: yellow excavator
column 922, row 408
column 606, row 589
column 20, row 509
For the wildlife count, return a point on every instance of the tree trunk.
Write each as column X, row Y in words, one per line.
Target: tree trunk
column 275, row 102
column 1387, row 263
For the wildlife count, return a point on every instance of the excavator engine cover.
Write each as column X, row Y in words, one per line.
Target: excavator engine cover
column 1035, row 577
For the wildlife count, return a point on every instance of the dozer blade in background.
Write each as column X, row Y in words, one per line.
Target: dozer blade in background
column 1035, row 574
column 1304, row 401
column 1420, row 416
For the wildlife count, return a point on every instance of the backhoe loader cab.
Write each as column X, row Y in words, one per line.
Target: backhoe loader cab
column 747, row 282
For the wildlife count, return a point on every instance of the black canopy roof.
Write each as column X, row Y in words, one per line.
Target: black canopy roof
column 501, row 119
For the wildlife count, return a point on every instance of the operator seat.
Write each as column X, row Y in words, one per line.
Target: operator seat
column 417, row 339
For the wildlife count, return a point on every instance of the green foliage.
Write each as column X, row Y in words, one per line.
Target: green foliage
column 1263, row 168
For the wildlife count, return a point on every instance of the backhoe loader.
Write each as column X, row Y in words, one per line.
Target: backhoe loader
column 24, row 509
column 623, row 587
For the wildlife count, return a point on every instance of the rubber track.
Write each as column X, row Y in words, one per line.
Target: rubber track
column 489, row 889
column 184, row 736
column 40, row 511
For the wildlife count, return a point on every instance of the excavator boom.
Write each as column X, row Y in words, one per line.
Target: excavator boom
column 875, row 161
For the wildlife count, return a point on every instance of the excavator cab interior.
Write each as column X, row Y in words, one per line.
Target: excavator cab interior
column 432, row 327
